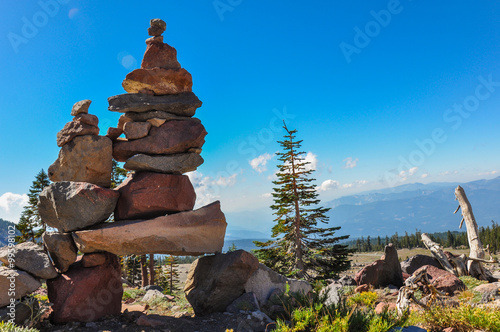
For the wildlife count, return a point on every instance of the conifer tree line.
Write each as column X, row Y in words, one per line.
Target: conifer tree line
column 489, row 235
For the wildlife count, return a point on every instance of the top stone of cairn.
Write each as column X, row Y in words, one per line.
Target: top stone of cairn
column 157, row 27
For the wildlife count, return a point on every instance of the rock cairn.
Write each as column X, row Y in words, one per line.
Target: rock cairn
column 152, row 209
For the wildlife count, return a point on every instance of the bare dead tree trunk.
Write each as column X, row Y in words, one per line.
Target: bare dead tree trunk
column 151, row 269
column 437, row 252
column 144, row 272
column 477, row 253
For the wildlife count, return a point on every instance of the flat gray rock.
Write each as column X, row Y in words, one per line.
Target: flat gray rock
column 183, row 104
column 177, row 163
column 29, row 257
column 24, row 285
column 145, row 116
column 70, row 206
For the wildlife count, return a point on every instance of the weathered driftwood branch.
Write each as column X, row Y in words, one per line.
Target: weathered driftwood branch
column 477, row 253
column 407, row 292
column 437, row 252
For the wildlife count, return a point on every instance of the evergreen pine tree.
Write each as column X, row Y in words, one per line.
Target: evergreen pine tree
column 300, row 247
column 172, row 274
column 30, row 224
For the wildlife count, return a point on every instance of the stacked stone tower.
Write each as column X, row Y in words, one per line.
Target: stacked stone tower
column 152, row 209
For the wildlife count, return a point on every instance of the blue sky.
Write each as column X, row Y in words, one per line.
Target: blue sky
column 383, row 93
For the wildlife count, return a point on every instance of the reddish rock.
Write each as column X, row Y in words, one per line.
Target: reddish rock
column 157, row 27
column 170, row 138
column 183, row 104
column 136, row 130
column 190, row 233
column 86, row 118
column 443, row 280
column 113, row 133
column 86, row 294
column 384, row 306
column 413, row 263
column 450, row 329
column 122, row 120
column 383, row 272
column 149, row 195
column 362, row 288
column 158, row 81
column 160, row 55
column 73, row 129
column 94, row 259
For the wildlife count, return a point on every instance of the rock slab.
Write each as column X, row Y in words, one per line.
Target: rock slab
column 69, row 206
column 61, row 248
column 158, row 81
column 176, row 163
column 75, row 128
column 413, row 263
column 29, row 257
column 147, row 195
column 170, row 138
column 214, row 282
column 265, row 281
column 185, row 233
column 87, row 294
column 15, row 284
column 383, row 272
column 443, row 280
column 183, row 104
column 84, row 159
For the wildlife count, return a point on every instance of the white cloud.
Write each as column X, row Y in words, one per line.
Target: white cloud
column 208, row 189
column 423, row 176
column 11, row 206
column 361, row 182
column 488, row 173
column 350, row 162
column 266, row 195
column 412, row 170
column 328, row 185
column 313, row 161
column 226, row 181
column 405, row 175
column 347, row 185
column 259, row 163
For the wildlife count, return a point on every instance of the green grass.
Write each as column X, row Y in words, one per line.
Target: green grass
column 365, row 299
column 472, row 282
column 132, row 293
column 9, row 327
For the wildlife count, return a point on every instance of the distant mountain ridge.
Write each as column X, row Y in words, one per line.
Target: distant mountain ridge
column 4, row 231
column 427, row 207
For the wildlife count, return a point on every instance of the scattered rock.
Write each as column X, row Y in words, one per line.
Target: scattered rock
column 149, row 195
column 214, row 282
column 80, row 107
column 29, row 257
column 21, row 312
column 246, row 302
column 183, row 104
column 61, row 248
column 450, row 329
column 186, row 233
column 489, row 292
column 264, row 281
column 74, row 129
column 84, row 159
column 158, row 81
column 443, row 280
column 347, row 281
column 176, row 163
column 383, row 272
column 157, row 27
column 149, row 287
column 151, row 295
column 332, row 293
column 135, row 130
column 151, row 320
column 385, row 306
column 94, row 259
column 69, row 206
column 362, row 288
column 86, row 294
column 413, row 263
column 15, row 284
column 170, row 138
column 160, row 55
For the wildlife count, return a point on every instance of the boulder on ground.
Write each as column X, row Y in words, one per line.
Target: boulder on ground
column 151, row 295
column 176, row 163
column 443, row 280
column 15, row 284
column 170, row 138
column 20, row 312
column 61, row 249
column 29, row 257
column 489, row 292
column 69, row 206
column 158, row 81
column 332, row 292
column 183, row 104
column 149, row 195
column 413, row 263
column 246, row 302
column 383, row 272
column 84, row 159
column 214, row 282
column 86, row 294
column 185, row 233
column 264, row 281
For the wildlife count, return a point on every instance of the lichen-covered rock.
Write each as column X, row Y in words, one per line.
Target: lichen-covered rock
column 29, row 257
